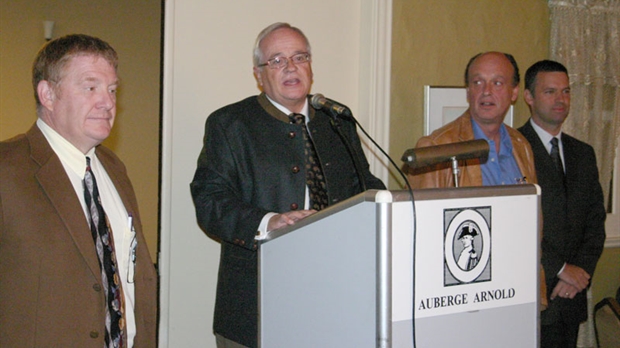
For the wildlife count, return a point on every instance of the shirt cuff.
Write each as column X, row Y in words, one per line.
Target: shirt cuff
column 262, row 227
column 561, row 269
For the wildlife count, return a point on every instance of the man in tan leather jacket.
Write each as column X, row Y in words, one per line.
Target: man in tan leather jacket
column 492, row 81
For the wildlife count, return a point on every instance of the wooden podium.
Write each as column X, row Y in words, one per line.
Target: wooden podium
column 345, row 277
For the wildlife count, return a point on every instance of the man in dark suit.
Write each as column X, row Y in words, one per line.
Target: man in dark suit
column 572, row 203
column 68, row 279
column 251, row 177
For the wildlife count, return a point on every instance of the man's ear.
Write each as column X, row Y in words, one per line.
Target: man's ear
column 515, row 93
column 46, row 94
column 257, row 74
column 528, row 97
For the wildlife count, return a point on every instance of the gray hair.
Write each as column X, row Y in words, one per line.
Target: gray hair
column 258, row 54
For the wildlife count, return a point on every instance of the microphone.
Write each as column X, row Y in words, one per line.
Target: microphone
column 431, row 155
column 318, row 101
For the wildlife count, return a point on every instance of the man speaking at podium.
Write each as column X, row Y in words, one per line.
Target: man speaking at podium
column 267, row 162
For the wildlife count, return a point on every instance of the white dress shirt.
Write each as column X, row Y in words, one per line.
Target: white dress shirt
column 74, row 162
column 545, row 137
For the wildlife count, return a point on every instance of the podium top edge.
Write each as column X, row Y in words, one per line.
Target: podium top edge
column 395, row 196
column 473, row 192
column 384, row 196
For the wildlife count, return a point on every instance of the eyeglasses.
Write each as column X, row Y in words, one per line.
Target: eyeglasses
column 282, row 62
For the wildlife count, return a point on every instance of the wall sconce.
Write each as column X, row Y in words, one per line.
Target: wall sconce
column 48, row 29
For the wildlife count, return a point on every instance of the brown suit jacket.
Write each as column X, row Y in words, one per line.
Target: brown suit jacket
column 470, row 171
column 51, row 294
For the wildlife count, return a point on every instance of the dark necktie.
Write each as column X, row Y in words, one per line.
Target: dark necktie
column 104, row 243
column 315, row 180
column 555, row 157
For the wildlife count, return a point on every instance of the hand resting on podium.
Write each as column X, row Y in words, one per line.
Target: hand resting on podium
column 288, row 218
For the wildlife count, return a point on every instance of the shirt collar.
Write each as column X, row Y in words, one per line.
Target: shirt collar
column 505, row 142
column 66, row 152
column 544, row 136
column 304, row 110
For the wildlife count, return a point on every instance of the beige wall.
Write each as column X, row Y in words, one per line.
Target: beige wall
column 606, row 279
column 133, row 29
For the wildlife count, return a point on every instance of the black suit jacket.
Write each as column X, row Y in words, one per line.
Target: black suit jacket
column 252, row 163
column 574, row 232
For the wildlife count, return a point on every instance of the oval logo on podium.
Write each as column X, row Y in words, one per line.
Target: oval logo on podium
column 467, row 245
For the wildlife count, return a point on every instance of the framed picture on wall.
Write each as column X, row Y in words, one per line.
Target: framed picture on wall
column 445, row 104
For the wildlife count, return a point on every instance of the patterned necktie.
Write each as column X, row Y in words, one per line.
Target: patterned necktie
column 555, row 157
column 104, row 243
column 315, row 180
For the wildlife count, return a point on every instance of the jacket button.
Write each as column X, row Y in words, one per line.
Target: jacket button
column 292, row 134
column 295, row 169
column 294, row 206
column 97, row 287
column 94, row 334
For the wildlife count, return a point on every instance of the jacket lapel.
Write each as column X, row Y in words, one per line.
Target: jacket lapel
column 116, row 171
column 471, row 172
column 537, row 146
column 57, row 187
column 544, row 164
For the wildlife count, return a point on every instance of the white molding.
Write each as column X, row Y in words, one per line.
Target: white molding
column 612, row 223
column 164, row 256
column 612, row 242
column 375, row 69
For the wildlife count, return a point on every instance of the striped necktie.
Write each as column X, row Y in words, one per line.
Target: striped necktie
column 110, row 277
column 315, row 179
column 555, row 157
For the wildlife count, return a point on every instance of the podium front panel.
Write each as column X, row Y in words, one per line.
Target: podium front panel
column 475, row 251
column 476, row 268
column 318, row 283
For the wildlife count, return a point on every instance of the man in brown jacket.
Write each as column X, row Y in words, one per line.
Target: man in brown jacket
column 74, row 271
column 492, row 81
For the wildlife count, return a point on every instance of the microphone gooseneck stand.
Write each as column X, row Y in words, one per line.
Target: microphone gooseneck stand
column 355, row 157
column 455, row 170
column 335, row 122
column 318, row 103
column 415, row 158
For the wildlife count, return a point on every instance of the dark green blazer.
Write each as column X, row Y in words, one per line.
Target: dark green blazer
column 252, row 163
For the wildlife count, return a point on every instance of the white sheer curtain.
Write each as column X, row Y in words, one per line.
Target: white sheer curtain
column 585, row 37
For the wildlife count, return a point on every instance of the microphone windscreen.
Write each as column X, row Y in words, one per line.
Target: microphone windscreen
column 431, row 155
column 317, row 101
